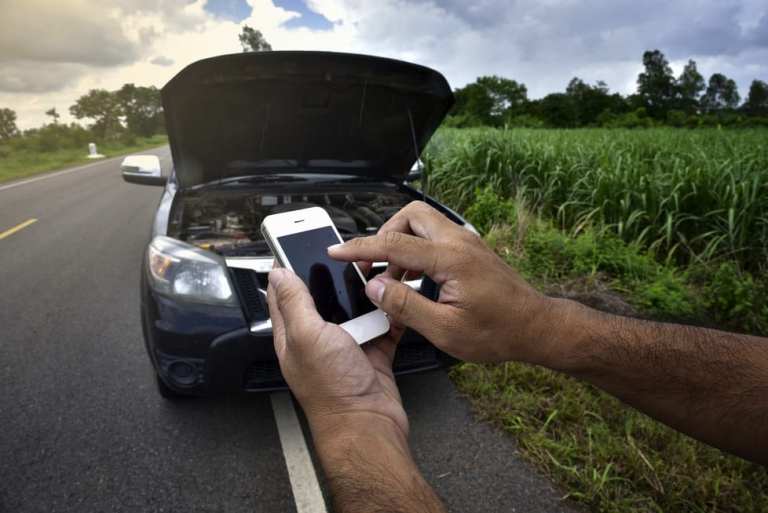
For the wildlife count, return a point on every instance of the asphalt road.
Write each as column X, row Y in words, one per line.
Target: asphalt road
column 81, row 425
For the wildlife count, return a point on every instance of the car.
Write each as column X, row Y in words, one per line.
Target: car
column 254, row 134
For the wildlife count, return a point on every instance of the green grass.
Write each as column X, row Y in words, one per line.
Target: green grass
column 603, row 454
column 606, row 455
column 27, row 161
column 689, row 196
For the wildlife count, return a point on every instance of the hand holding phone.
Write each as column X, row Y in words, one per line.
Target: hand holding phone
column 299, row 240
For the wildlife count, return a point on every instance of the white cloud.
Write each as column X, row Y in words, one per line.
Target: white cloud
column 162, row 60
column 542, row 43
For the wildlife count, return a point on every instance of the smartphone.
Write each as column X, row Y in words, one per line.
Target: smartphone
column 299, row 241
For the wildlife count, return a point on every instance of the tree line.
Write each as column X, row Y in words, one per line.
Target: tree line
column 661, row 99
column 122, row 115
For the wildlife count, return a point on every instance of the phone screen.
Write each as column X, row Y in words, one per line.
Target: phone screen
column 336, row 287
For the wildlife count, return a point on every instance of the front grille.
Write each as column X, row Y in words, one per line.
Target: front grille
column 266, row 375
column 263, row 376
column 253, row 300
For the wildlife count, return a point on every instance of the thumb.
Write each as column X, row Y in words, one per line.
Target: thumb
column 297, row 308
column 407, row 307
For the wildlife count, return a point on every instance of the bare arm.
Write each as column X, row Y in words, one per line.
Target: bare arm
column 351, row 401
column 709, row 384
column 370, row 469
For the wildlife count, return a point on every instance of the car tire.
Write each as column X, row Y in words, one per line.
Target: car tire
column 167, row 392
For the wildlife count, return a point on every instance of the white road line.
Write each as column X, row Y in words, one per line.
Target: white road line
column 301, row 472
column 58, row 173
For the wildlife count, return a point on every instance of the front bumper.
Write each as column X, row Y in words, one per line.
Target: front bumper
column 207, row 350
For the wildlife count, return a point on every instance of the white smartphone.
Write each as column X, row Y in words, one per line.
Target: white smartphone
column 299, row 241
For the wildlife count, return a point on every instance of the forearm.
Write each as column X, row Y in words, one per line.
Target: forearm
column 709, row 384
column 369, row 467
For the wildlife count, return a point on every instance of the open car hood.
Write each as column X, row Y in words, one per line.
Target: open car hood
column 317, row 112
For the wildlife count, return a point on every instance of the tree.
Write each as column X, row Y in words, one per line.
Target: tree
column 55, row 115
column 490, row 100
column 558, row 110
column 473, row 106
column 104, row 108
column 252, row 40
column 757, row 100
column 8, row 126
column 690, row 84
column 507, row 96
column 722, row 93
column 589, row 102
column 656, row 85
column 142, row 108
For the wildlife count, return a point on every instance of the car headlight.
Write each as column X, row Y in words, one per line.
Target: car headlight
column 188, row 272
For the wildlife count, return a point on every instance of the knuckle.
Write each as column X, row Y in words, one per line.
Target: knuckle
column 469, row 236
column 416, row 206
column 356, row 243
column 392, row 239
column 402, row 299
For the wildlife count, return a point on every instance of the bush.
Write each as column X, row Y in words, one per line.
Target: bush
column 676, row 118
column 635, row 119
column 734, row 297
column 489, row 209
column 551, row 256
column 525, row 121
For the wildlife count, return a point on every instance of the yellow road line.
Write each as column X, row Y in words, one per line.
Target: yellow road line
column 8, row 233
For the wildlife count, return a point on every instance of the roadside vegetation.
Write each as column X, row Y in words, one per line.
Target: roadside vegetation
column 21, row 161
column 123, row 121
column 662, row 223
column 661, row 99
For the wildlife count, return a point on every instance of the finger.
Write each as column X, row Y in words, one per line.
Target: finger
column 405, row 251
column 396, row 273
column 381, row 352
column 419, row 219
column 295, row 304
column 406, row 307
column 278, row 325
column 365, row 267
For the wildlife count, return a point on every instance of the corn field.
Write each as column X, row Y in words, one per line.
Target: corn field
column 686, row 195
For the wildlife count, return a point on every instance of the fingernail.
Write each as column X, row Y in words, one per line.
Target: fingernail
column 276, row 276
column 375, row 290
column 334, row 247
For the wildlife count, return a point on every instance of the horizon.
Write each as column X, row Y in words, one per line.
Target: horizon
column 542, row 45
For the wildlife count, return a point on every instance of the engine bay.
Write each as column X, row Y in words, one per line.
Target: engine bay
column 228, row 222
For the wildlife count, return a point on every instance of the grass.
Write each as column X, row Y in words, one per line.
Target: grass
column 26, row 162
column 666, row 223
column 689, row 196
column 605, row 455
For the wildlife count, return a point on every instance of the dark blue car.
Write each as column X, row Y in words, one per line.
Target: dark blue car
column 253, row 134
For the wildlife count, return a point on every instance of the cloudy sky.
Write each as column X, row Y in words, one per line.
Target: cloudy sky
column 52, row 51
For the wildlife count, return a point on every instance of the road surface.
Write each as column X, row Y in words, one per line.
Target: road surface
column 81, row 426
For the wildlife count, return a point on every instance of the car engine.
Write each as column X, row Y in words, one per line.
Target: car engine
column 228, row 222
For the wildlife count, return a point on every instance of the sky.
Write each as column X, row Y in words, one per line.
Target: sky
column 53, row 51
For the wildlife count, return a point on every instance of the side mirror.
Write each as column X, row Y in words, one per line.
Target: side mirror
column 415, row 173
column 142, row 169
